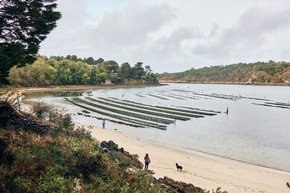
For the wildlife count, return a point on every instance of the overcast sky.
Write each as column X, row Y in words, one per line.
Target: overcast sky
column 172, row 35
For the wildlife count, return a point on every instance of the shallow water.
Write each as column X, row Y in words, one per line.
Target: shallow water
column 251, row 133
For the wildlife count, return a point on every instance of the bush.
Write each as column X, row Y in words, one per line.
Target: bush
column 44, row 111
column 40, row 109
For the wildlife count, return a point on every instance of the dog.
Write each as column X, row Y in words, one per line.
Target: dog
column 178, row 167
column 288, row 184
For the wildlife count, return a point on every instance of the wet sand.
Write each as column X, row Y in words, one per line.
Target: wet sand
column 207, row 172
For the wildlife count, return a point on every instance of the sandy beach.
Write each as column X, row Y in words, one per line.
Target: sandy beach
column 201, row 170
column 204, row 171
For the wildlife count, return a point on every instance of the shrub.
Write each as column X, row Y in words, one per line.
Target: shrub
column 125, row 162
column 44, row 111
column 40, row 109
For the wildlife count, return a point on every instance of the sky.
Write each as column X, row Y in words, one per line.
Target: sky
column 172, row 35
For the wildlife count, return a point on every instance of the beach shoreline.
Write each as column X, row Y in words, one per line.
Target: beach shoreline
column 80, row 87
column 213, row 156
column 200, row 169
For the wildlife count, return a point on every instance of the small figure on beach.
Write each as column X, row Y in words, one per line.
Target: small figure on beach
column 147, row 161
column 227, row 111
column 178, row 167
column 104, row 123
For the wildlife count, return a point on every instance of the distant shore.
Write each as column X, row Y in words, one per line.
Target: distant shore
column 81, row 87
column 21, row 91
column 230, row 83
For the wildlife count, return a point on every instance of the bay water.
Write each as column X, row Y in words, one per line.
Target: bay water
column 255, row 130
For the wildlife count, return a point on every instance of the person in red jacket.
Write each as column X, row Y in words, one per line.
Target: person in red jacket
column 147, row 161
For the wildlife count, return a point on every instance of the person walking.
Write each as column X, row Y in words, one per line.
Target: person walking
column 104, row 123
column 147, row 161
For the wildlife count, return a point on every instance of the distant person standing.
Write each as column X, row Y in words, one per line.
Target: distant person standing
column 104, row 123
column 147, row 161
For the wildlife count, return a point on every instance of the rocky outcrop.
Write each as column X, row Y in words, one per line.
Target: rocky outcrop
column 179, row 187
column 112, row 147
column 119, row 153
column 9, row 116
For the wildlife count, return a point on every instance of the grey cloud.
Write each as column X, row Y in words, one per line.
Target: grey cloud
column 214, row 31
column 246, row 37
column 69, row 35
column 178, row 37
column 135, row 32
column 133, row 24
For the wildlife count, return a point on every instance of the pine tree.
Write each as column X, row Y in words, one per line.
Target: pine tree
column 24, row 24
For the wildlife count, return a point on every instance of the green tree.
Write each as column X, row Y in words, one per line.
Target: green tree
column 151, row 77
column 148, row 69
column 101, row 77
column 99, row 61
column 23, row 26
column 93, row 75
column 90, row 60
column 74, row 58
column 14, row 76
column 124, row 71
column 110, row 66
column 68, row 57
column 64, row 74
column 137, row 72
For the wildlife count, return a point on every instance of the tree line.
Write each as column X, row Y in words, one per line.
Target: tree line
column 71, row 70
column 23, row 26
column 270, row 72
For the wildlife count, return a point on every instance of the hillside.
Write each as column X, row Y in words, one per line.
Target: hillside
column 41, row 155
column 252, row 73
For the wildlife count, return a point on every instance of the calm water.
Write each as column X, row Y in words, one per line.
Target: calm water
column 250, row 133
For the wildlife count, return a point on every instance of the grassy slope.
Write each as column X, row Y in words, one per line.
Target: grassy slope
column 61, row 160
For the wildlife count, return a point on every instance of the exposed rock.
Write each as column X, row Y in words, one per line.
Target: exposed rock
column 179, row 187
column 120, row 153
column 136, row 161
column 110, row 145
column 9, row 116
column 148, row 172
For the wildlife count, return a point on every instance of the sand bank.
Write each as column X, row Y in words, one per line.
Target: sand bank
column 207, row 172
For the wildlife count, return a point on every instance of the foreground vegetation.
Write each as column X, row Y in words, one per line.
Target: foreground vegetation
column 55, row 163
column 253, row 73
column 62, row 158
